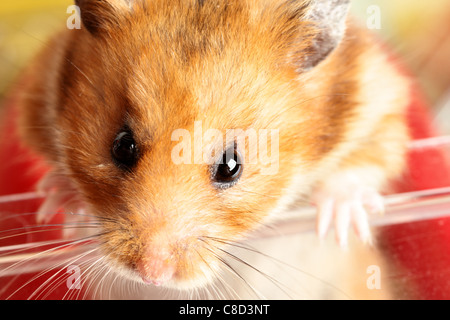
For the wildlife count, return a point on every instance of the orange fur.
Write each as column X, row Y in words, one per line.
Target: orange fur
column 231, row 64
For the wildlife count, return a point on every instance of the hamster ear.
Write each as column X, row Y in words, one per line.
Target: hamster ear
column 102, row 15
column 329, row 18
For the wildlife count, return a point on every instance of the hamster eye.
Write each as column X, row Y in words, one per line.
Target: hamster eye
column 229, row 170
column 124, row 150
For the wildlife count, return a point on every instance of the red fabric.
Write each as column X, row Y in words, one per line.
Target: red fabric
column 20, row 170
column 420, row 251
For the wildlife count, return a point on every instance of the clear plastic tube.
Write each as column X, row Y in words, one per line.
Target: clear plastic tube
column 400, row 208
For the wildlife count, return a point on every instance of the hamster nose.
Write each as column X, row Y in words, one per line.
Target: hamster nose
column 156, row 267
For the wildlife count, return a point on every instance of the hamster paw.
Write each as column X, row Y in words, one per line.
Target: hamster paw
column 346, row 202
column 60, row 195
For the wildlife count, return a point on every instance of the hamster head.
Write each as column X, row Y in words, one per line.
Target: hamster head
column 151, row 87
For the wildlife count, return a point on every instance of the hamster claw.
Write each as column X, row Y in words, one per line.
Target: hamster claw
column 59, row 194
column 49, row 208
column 347, row 206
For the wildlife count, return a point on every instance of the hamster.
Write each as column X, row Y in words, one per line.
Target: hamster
column 103, row 104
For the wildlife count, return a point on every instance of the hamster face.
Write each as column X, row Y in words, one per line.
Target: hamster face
column 185, row 66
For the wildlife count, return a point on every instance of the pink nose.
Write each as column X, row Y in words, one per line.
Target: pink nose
column 156, row 267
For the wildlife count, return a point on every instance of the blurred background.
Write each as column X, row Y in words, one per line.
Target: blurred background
column 419, row 30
